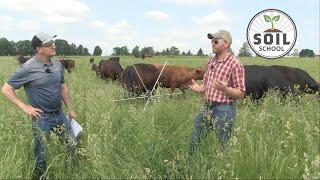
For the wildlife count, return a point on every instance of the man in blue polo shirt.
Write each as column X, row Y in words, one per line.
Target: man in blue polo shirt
column 43, row 82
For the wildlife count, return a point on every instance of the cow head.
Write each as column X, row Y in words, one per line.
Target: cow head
column 199, row 73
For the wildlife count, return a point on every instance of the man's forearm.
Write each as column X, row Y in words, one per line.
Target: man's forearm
column 9, row 92
column 66, row 97
column 234, row 93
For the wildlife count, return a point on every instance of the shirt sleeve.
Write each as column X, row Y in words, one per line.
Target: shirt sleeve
column 238, row 77
column 62, row 72
column 19, row 78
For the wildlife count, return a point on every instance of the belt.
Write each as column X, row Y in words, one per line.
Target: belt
column 218, row 103
column 53, row 112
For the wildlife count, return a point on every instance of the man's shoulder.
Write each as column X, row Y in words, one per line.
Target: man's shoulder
column 32, row 62
column 235, row 60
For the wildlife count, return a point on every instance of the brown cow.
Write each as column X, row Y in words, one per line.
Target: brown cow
column 178, row 76
column 95, row 68
column 110, row 69
column 131, row 81
column 22, row 59
column 68, row 64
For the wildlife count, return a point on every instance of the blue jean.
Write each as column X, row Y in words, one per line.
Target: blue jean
column 221, row 116
column 42, row 126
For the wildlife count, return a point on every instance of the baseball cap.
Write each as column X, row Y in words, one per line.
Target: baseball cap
column 221, row 34
column 41, row 38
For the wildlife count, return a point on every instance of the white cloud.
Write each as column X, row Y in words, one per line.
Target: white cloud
column 6, row 23
column 192, row 2
column 58, row 11
column 217, row 16
column 118, row 33
column 29, row 25
column 157, row 15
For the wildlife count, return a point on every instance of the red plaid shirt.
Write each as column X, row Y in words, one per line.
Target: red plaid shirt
column 228, row 69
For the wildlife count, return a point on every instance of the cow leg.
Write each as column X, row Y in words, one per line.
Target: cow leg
column 183, row 93
column 171, row 91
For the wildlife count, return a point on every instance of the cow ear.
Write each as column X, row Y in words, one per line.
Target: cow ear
column 198, row 71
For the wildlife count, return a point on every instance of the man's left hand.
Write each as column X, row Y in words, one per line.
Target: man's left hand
column 220, row 85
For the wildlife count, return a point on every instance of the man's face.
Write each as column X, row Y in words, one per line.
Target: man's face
column 219, row 45
column 48, row 49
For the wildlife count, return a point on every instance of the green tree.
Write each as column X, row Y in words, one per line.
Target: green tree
column 97, row 51
column 62, row 47
column 6, row 47
column 85, row 52
column 24, row 47
column 167, row 52
column 147, row 51
column 73, row 49
column 174, row 51
column 189, row 53
column 200, row 52
column 306, row 53
column 79, row 50
column 245, row 50
column 121, row 51
column 135, row 51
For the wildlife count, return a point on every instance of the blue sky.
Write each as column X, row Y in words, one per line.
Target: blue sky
column 157, row 23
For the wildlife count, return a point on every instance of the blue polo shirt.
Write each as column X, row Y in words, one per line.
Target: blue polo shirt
column 42, row 86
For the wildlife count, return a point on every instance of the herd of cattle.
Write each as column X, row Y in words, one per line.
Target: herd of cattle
column 139, row 78
column 68, row 64
column 258, row 79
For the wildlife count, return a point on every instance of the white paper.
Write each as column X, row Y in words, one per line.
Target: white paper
column 76, row 127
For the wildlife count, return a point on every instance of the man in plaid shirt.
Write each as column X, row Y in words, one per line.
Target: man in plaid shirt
column 223, row 84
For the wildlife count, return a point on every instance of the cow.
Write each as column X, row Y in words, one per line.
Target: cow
column 299, row 78
column 91, row 60
column 261, row 79
column 95, row 68
column 22, row 59
column 178, row 76
column 130, row 78
column 110, row 69
column 67, row 64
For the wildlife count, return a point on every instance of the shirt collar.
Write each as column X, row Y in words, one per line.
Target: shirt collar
column 215, row 58
column 43, row 64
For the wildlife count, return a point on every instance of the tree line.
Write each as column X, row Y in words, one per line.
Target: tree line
column 63, row 47
column 149, row 51
column 24, row 47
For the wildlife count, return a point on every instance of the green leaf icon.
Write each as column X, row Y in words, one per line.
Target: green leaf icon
column 267, row 18
column 276, row 18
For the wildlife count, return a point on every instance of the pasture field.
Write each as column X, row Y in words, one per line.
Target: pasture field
column 271, row 139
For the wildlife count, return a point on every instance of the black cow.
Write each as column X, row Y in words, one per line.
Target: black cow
column 91, row 60
column 260, row 79
column 131, row 81
column 300, row 78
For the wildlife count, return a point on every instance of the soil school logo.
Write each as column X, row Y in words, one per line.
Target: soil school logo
column 271, row 33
